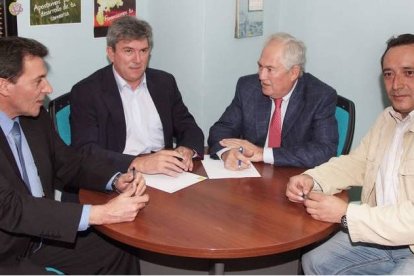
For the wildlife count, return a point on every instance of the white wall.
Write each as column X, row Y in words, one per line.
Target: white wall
column 195, row 41
column 345, row 41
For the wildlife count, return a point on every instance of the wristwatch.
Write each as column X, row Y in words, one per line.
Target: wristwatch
column 113, row 184
column 344, row 222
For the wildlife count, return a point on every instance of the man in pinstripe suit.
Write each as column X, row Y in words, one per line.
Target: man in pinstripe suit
column 309, row 133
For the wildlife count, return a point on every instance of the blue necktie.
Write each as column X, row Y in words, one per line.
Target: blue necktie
column 17, row 137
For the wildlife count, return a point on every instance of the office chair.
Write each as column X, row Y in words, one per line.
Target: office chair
column 345, row 116
column 59, row 110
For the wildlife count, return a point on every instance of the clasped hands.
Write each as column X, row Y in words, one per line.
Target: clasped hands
column 126, row 205
column 231, row 158
column 320, row 206
column 169, row 162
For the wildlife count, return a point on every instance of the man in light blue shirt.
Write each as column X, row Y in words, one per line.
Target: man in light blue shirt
column 37, row 231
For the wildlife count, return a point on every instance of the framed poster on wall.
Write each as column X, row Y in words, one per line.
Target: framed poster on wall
column 8, row 22
column 249, row 18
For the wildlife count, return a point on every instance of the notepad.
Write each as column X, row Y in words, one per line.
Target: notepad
column 172, row 184
column 215, row 170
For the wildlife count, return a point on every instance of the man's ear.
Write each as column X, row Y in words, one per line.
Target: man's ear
column 4, row 84
column 295, row 72
column 110, row 53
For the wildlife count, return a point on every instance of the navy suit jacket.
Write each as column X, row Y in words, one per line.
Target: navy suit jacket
column 98, row 122
column 24, row 217
column 309, row 133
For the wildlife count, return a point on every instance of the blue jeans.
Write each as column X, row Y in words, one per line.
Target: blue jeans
column 339, row 255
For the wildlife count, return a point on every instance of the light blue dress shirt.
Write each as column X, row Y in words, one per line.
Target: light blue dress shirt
column 6, row 125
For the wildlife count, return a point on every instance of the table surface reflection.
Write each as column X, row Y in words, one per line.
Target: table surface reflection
column 220, row 218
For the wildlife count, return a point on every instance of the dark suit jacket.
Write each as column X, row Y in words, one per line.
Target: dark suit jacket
column 23, row 217
column 309, row 133
column 98, row 121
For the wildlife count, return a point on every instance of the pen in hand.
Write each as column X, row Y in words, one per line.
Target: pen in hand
column 304, row 196
column 239, row 161
column 133, row 173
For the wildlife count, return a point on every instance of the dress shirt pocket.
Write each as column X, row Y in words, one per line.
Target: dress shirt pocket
column 406, row 179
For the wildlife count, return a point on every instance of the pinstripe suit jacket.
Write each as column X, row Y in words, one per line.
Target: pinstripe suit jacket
column 309, row 134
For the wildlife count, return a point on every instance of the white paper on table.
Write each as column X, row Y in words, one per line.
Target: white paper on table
column 215, row 169
column 172, row 184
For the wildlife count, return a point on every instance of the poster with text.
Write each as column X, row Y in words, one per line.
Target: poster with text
column 107, row 11
column 43, row 12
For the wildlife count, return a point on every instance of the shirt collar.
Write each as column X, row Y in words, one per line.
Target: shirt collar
column 122, row 83
column 6, row 123
column 399, row 118
column 409, row 119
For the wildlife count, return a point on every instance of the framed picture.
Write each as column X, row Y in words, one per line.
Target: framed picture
column 249, row 18
column 8, row 21
column 255, row 5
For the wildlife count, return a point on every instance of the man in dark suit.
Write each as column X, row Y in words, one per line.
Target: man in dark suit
column 35, row 230
column 130, row 113
column 308, row 134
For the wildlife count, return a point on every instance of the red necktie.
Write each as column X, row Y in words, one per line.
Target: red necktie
column 275, row 130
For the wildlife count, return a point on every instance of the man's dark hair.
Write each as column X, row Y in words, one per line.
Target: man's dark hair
column 404, row 39
column 12, row 52
column 128, row 28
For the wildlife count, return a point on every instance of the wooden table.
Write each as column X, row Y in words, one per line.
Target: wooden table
column 220, row 218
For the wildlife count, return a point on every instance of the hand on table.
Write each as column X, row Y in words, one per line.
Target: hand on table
column 187, row 155
column 164, row 161
column 324, row 207
column 235, row 160
column 298, row 187
column 125, row 206
column 319, row 205
column 251, row 151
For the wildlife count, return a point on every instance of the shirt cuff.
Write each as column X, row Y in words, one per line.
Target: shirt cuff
column 220, row 152
column 109, row 184
column 316, row 186
column 84, row 221
column 268, row 156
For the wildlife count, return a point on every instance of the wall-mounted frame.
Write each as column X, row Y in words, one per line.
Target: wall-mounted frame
column 255, row 5
column 8, row 21
column 249, row 18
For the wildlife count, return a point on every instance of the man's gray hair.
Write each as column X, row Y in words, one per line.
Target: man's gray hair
column 294, row 52
column 128, row 28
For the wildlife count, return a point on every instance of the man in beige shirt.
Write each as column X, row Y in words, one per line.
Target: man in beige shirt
column 377, row 236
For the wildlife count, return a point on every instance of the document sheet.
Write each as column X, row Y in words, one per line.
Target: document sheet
column 215, row 170
column 171, row 184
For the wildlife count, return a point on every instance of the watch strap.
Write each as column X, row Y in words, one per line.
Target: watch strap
column 114, row 181
column 344, row 222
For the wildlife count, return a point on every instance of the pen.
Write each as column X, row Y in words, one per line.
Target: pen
column 304, row 196
column 239, row 162
column 133, row 173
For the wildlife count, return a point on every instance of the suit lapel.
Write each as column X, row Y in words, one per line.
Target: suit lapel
column 113, row 101
column 5, row 149
column 263, row 110
column 160, row 102
column 296, row 104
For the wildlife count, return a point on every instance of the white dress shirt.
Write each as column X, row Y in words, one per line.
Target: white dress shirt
column 387, row 187
column 144, row 132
